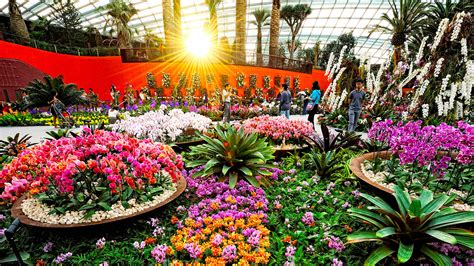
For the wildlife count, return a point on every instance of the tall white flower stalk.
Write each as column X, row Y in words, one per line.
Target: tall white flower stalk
column 423, row 72
column 464, row 49
column 341, row 56
column 439, row 64
column 457, row 26
column 425, row 110
column 329, row 65
column 419, row 55
column 443, row 25
column 332, row 86
column 419, row 92
column 406, row 80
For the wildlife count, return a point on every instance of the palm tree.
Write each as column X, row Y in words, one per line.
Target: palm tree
column 261, row 16
column 240, row 29
column 151, row 39
column 440, row 10
column 40, row 93
column 17, row 24
column 404, row 20
column 177, row 23
column 294, row 17
column 212, row 5
column 274, row 32
column 120, row 14
column 167, row 22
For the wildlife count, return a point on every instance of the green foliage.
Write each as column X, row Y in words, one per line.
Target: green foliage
column 345, row 39
column 408, row 229
column 294, row 17
column 40, row 93
column 330, row 142
column 234, row 154
column 54, row 135
column 119, row 15
column 324, row 163
column 14, row 145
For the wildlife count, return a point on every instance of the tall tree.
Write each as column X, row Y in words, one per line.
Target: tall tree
column 120, row 14
column 65, row 14
column 274, row 32
column 177, row 24
column 408, row 17
column 17, row 24
column 261, row 16
column 294, row 16
column 213, row 29
column 240, row 29
column 168, row 22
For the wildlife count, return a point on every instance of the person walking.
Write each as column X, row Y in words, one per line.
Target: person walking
column 285, row 102
column 226, row 97
column 314, row 102
column 356, row 99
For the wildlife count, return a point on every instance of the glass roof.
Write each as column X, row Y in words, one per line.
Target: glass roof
column 328, row 20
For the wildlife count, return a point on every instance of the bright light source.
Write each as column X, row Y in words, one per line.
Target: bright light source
column 198, row 43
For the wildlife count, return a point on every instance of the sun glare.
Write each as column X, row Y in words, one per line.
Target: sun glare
column 198, row 43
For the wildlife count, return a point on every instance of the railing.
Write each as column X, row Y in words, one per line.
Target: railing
column 162, row 55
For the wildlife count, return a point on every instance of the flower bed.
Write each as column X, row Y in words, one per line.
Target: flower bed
column 98, row 175
column 279, row 130
column 161, row 126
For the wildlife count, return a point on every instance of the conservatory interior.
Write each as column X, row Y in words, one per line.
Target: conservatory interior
column 246, row 132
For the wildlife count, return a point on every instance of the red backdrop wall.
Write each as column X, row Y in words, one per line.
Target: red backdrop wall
column 100, row 73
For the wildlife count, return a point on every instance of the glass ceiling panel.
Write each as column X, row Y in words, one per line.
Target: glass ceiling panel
column 329, row 19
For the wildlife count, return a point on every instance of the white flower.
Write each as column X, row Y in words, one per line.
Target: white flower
column 454, row 90
column 464, row 49
column 423, row 71
column 363, row 121
column 439, row 34
column 439, row 64
column 425, row 110
column 419, row 56
column 457, row 25
column 329, row 65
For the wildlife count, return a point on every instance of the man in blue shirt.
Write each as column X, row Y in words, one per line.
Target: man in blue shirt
column 356, row 99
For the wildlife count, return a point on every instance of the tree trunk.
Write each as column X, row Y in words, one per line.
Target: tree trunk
column 274, row 32
column 259, row 46
column 178, row 43
column 292, row 46
column 240, row 30
column 316, row 55
column 213, row 25
column 168, row 23
column 17, row 24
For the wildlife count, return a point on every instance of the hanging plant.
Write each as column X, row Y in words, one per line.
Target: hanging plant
column 166, row 81
column 209, row 78
column 296, row 83
column 288, row 80
column 240, row 80
column 177, row 96
column 196, row 81
column 150, row 80
column 259, row 93
column 277, row 81
column 253, row 81
column 248, row 93
column 190, row 95
column 266, row 82
column 182, row 80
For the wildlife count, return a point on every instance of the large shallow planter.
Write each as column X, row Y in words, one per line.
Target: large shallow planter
column 17, row 212
column 356, row 168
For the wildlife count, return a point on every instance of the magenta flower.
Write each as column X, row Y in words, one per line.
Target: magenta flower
column 159, row 253
column 229, row 253
column 308, row 218
column 194, row 250
column 290, row 251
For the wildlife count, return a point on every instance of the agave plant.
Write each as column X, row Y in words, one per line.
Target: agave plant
column 40, row 93
column 408, row 230
column 235, row 154
column 333, row 142
column 324, row 163
column 14, row 145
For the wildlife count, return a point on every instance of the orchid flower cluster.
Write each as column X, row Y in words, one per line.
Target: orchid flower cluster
column 279, row 129
column 90, row 165
column 420, row 145
column 161, row 126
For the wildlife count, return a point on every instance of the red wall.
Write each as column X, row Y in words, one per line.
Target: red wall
column 100, row 72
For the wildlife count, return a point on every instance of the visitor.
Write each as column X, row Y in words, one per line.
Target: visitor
column 313, row 105
column 301, row 100
column 226, row 97
column 356, row 99
column 57, row 108
column 115, row 97
column 285, row 101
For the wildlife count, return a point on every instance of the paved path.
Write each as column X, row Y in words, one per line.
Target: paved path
column 38, row 133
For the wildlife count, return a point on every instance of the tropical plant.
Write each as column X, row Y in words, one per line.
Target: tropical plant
column 54, row 135
column 40, row 93
column 407, row 17
column 294, row 16
column 151, row 39
column 274, row 32
column 14, row 145
column 119, row 15
column 235, row 154
column 65, row 14
column 17, row 24
column 408, row 230
column 240, row 29
column 261, row 16
column 331, row 142
column 40, row 29
column 324, row 163
column 212, row 5
column 345, row 39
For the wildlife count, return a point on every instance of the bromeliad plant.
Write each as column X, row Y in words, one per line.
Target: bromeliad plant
column 408, row 230
column 234, row 154
column 331, row 142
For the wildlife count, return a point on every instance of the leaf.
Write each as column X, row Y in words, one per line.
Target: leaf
column 232, row 179
column 404, row 252
column 105, row 206
column 12, row 258
column 225, row 169
column 415, row 209
column 440, row 235
column 379, row 203
column 210, row 164
column 378, row 255
column 403, row 200
column 253, row 181
column 245, row 170
column 451, row 219
column 388, row 231
column 435, row 256
column 435, row 204
column 426, row 197
column 362, row 237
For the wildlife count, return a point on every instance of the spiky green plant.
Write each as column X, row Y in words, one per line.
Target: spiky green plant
column 234, row 154
column 324, row 163
column 54, row 135
column 408, row 230
column 330, row 142
column 14, row 145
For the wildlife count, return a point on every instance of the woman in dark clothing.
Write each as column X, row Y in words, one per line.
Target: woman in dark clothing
column 314, row 100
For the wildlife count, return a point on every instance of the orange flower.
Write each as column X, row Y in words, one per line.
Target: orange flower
column 348, row 228
column 40, row 263
column 287, row 239
column 174, row 219
column 150, row 241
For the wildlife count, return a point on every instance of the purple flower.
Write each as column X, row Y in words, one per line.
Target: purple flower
column 159, row 253
column 327, row 192
column 158, row 231
column 47, row 248
column 217, row 239
column 308, row 218
column 62, row 257
column 347, row 183
column 290, row 251
column 229, row 253
column 193, row 249
column 140, row 245
column 320, row 200
column 100, row 243
column 2, row 232
column 356, row 193
column 336, row 243
column 337, row 262
column 292, row 171
column 104, row 264
column 254, row 239
column 345, row 205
